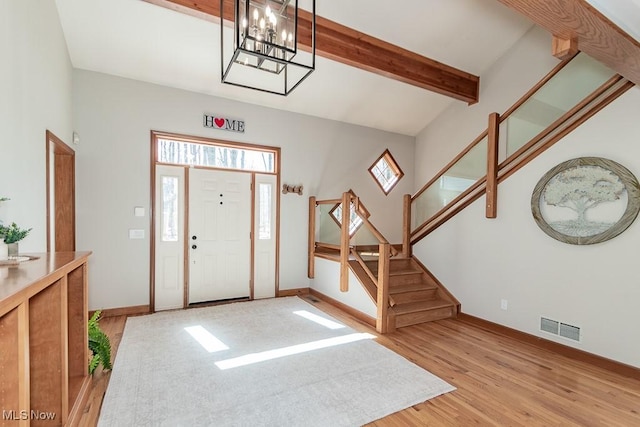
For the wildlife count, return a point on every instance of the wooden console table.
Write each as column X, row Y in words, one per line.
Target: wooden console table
column 43, row 340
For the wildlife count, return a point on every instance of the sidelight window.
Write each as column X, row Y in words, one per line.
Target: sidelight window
column 264, row 211
column 169, row 208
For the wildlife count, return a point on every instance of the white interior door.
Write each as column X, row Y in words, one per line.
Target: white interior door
column 219, row 235
column 169, row 238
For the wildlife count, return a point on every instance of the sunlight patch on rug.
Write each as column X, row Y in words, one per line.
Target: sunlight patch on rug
column 291, row 350
column 206, row 339
column 167, row 370
column 319, row 319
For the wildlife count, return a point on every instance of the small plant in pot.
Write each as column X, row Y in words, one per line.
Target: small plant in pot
column 12, row 235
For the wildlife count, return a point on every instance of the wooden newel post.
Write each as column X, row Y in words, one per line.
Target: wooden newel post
column 344, row 242
column 406, row 226
column 492, row 166
column 382, row 298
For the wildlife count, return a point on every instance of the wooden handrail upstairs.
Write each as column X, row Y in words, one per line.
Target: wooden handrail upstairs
column 487, row 184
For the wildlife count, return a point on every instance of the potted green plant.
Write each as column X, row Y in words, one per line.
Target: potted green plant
column 99, row 345
column 12, row 235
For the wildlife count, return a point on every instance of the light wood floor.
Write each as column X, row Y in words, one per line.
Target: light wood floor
column 500, row 381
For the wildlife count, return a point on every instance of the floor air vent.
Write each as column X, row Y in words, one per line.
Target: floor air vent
column 561, row 329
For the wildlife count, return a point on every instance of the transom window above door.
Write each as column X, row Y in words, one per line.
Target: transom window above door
column 217, row 156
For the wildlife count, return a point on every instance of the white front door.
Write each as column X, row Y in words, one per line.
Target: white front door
column 219, row 239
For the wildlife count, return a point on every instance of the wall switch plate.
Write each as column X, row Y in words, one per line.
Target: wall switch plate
column 504, row 304
column 136, row 234
column 138, row 211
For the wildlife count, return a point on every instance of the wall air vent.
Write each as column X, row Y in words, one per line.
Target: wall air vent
column 549, row 325
column 558, row 328
column 571, row 332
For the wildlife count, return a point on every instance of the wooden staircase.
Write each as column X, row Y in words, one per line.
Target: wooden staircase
column 415, row 295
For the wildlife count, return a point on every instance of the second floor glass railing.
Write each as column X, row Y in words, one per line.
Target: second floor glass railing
column 571, row 93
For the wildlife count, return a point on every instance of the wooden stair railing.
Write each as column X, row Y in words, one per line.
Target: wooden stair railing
column 339, row 248
column 404, row 292
column 414, row 230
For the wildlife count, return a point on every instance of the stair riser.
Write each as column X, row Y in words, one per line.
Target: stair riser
column 414, row 296
column 424, row 316
column 394, row 265
column 400, row 265
column 406, row 279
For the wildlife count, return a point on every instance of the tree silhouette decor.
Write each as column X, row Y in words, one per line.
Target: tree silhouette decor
column 586, row 200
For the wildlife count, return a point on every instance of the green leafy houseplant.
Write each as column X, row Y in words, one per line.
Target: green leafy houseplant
column 99, row 345
column 13, row 233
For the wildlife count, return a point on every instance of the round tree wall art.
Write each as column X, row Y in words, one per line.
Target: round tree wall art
column 586, row 200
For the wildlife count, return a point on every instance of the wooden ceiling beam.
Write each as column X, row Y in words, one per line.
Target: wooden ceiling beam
column 594, row 33
column 345, row 45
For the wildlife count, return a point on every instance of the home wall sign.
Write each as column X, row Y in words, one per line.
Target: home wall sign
column 586, row 200
column 223, row 123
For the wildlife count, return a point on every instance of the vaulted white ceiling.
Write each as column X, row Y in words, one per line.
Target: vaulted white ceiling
column 624, row 13
column 142, row 41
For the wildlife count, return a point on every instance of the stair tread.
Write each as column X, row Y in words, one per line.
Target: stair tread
column 393, row 260
column 394, row 290
column 413, row 307
column 403, row 272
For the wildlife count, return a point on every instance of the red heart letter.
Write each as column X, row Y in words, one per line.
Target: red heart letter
column 219, row 122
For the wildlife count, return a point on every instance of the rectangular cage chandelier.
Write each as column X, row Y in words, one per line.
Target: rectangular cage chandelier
column 261, row 50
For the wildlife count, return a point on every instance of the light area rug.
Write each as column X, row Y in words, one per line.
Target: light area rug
column 163, row 376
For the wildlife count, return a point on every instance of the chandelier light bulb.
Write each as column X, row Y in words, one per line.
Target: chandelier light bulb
column 267, row 11
column 256, row 15
column 290, row 37
column 262, row 23
column 284, row 36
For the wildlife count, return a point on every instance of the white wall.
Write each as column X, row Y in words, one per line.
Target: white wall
column 482, row 261
column 114, row 117
column 501, row 86
column 327, row 281
column 35, row 95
